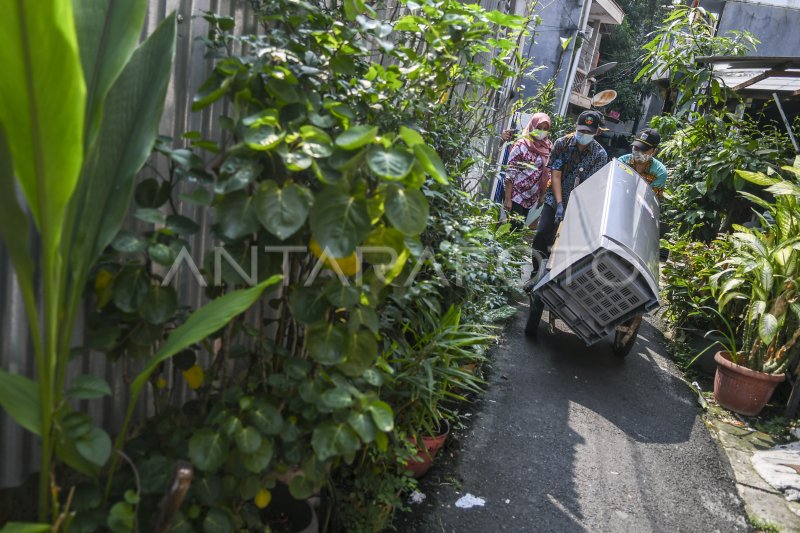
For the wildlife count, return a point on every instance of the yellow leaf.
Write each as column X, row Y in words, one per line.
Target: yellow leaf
column 102, row 280
column 194, row 377
column 349, row 266
column 262, row 499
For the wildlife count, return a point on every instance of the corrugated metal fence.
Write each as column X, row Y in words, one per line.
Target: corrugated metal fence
column 18, row 450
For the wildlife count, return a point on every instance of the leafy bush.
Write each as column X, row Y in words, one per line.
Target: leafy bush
column 688, row 280
column 702, row 196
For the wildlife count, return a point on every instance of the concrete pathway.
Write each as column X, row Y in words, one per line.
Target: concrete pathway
column 569, row 438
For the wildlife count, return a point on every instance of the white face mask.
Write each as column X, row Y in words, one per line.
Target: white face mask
column 541, row 135
column 641, row 157
column 583, row 138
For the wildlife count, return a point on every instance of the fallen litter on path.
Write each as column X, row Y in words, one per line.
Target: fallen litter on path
column 468, row 500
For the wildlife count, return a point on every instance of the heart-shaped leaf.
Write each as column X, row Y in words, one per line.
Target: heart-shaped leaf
column 392, row 164
column 339, row 222
column 208, row 450
column 406, row 209
column 330, row 439
column 282, row 211
column 327, row 343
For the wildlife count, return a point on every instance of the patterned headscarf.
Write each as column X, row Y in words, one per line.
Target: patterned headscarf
column 543, row 146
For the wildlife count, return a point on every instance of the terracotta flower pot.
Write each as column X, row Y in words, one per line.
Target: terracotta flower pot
column 427, row 452
column 740, row 389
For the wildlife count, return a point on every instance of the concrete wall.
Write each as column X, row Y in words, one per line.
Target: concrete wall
column 559, row 19
column 775, row 26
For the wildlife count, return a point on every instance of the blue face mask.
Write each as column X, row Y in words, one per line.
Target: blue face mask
column 583, row 138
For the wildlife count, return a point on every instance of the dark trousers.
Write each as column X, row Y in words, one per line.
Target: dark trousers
column 517, row 209
column 546, row 231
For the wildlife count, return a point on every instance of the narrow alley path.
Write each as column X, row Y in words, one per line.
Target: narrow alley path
column 569, row 438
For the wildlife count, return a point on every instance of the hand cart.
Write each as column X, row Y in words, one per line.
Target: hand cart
column 602, row 272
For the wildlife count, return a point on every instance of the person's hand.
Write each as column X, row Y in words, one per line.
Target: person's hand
column 559, row 212
column 507, row 135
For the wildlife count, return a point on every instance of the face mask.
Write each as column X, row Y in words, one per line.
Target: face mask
column 541, row 135
column 641, row 157
column 583, row 138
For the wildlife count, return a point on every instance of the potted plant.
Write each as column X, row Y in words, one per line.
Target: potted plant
column 763, row 272
column 427, row 361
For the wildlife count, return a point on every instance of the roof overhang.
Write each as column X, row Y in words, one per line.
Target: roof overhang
column 757, row 76
column 606, row 11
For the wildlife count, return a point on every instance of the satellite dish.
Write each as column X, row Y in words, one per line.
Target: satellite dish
column 603, row 98
column 602, row 69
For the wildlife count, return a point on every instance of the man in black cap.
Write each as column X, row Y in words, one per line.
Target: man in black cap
column 573, row 159
column 642, row 161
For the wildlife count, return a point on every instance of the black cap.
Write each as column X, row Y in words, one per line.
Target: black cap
column 589, row 121
column 647, row 139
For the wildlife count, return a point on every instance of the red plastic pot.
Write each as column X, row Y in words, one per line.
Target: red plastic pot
column 420, row 464
column 740, row 389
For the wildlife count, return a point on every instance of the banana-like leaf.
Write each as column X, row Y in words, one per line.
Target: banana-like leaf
column 759, row 178
column 15, row 230
column 108, row 32
column 202, row 323
column 128, row 129
column 767, row 328
column 42, row 99
column 19, row 396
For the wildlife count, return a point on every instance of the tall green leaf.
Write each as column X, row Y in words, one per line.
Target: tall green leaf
column 42, row 99
column 202, row 323
column 108, row 32
column 15, row 231
column 128, row 129
column 19, row 396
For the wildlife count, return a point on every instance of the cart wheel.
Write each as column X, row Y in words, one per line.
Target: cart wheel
column 534, row 316
column 625, row 336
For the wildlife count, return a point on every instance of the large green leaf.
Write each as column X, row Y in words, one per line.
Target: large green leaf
column 208, row 450
column 127, row 131
column 406, row 209
column 362, row 350
column 282, row 211
column 382, row 415
column 94, row 446
column 202, row 323
column 339, row 222
column 431, row 162
column 330, row 439
column 327, row 343
column 218, row 521
column 356, row 137
column 392, row 164
column 19, row 396
column 257, row 461
column 42, row 102
column 88, row 387
column 759, row 178
column 108, row 32
column 15, row 231
column 235, row 215
column 19, row 527
column 767, row 328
